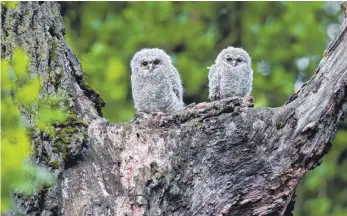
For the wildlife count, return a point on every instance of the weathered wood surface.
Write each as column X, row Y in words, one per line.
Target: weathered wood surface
column 216, row 158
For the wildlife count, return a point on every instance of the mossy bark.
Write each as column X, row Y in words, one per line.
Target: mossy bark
column 218, row 158
column 39, row 29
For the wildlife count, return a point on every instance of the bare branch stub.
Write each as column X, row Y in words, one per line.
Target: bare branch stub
column 344, row 8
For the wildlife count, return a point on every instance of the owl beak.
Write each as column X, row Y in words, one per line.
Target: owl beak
column 233, row 63
column 150, row 67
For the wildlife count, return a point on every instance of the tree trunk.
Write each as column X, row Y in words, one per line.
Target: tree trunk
column 216, row 158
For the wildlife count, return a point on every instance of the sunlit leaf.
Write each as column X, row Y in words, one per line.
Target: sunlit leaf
column 17, row 175
column 6, row 83
column 20, row 62
column 29, row 93
column 47, row 116
column 10, row 4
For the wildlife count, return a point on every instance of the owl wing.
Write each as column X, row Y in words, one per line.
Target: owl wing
column 214, row 83
column 176, row 84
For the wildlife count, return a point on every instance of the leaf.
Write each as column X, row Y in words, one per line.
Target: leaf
column 20, row 62
column 10, row 4
column 48, row 116
column 6, row 83
column 29, row 93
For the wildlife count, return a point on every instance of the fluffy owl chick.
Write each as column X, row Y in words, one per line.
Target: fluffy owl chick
column 231, row 75
column 156, row 83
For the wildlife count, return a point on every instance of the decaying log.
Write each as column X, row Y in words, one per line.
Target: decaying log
column 213, row 158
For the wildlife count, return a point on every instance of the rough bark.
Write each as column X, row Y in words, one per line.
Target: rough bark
column 216, row 158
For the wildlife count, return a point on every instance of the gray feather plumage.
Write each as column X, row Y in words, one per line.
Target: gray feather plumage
column 231, row 75
column 155, row 87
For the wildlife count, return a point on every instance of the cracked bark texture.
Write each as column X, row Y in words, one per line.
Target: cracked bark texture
column 216, row 158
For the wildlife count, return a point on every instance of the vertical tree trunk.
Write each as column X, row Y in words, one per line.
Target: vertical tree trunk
column 39, row 29
column 218, row 158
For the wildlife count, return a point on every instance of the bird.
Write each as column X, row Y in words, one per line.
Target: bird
column 231, row 75
column 156, row 83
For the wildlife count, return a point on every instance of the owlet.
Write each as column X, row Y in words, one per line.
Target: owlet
column 156, row 83
column 231, row 75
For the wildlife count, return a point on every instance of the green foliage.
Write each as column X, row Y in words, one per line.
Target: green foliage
column 286, row 41
column 277, row 37
column 323, row 191
column 9, row 4
column 21, row 91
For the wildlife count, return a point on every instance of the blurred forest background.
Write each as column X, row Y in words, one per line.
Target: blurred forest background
column 286, row 41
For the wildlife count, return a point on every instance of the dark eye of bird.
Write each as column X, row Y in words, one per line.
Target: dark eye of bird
column 239, row 60
column 157, row 61
column 229, row 59
column 144, row 63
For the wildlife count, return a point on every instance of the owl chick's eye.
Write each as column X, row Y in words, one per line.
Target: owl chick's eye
column 144, row 63
column 157, row 61
column 229, row 59
column 239, row 60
